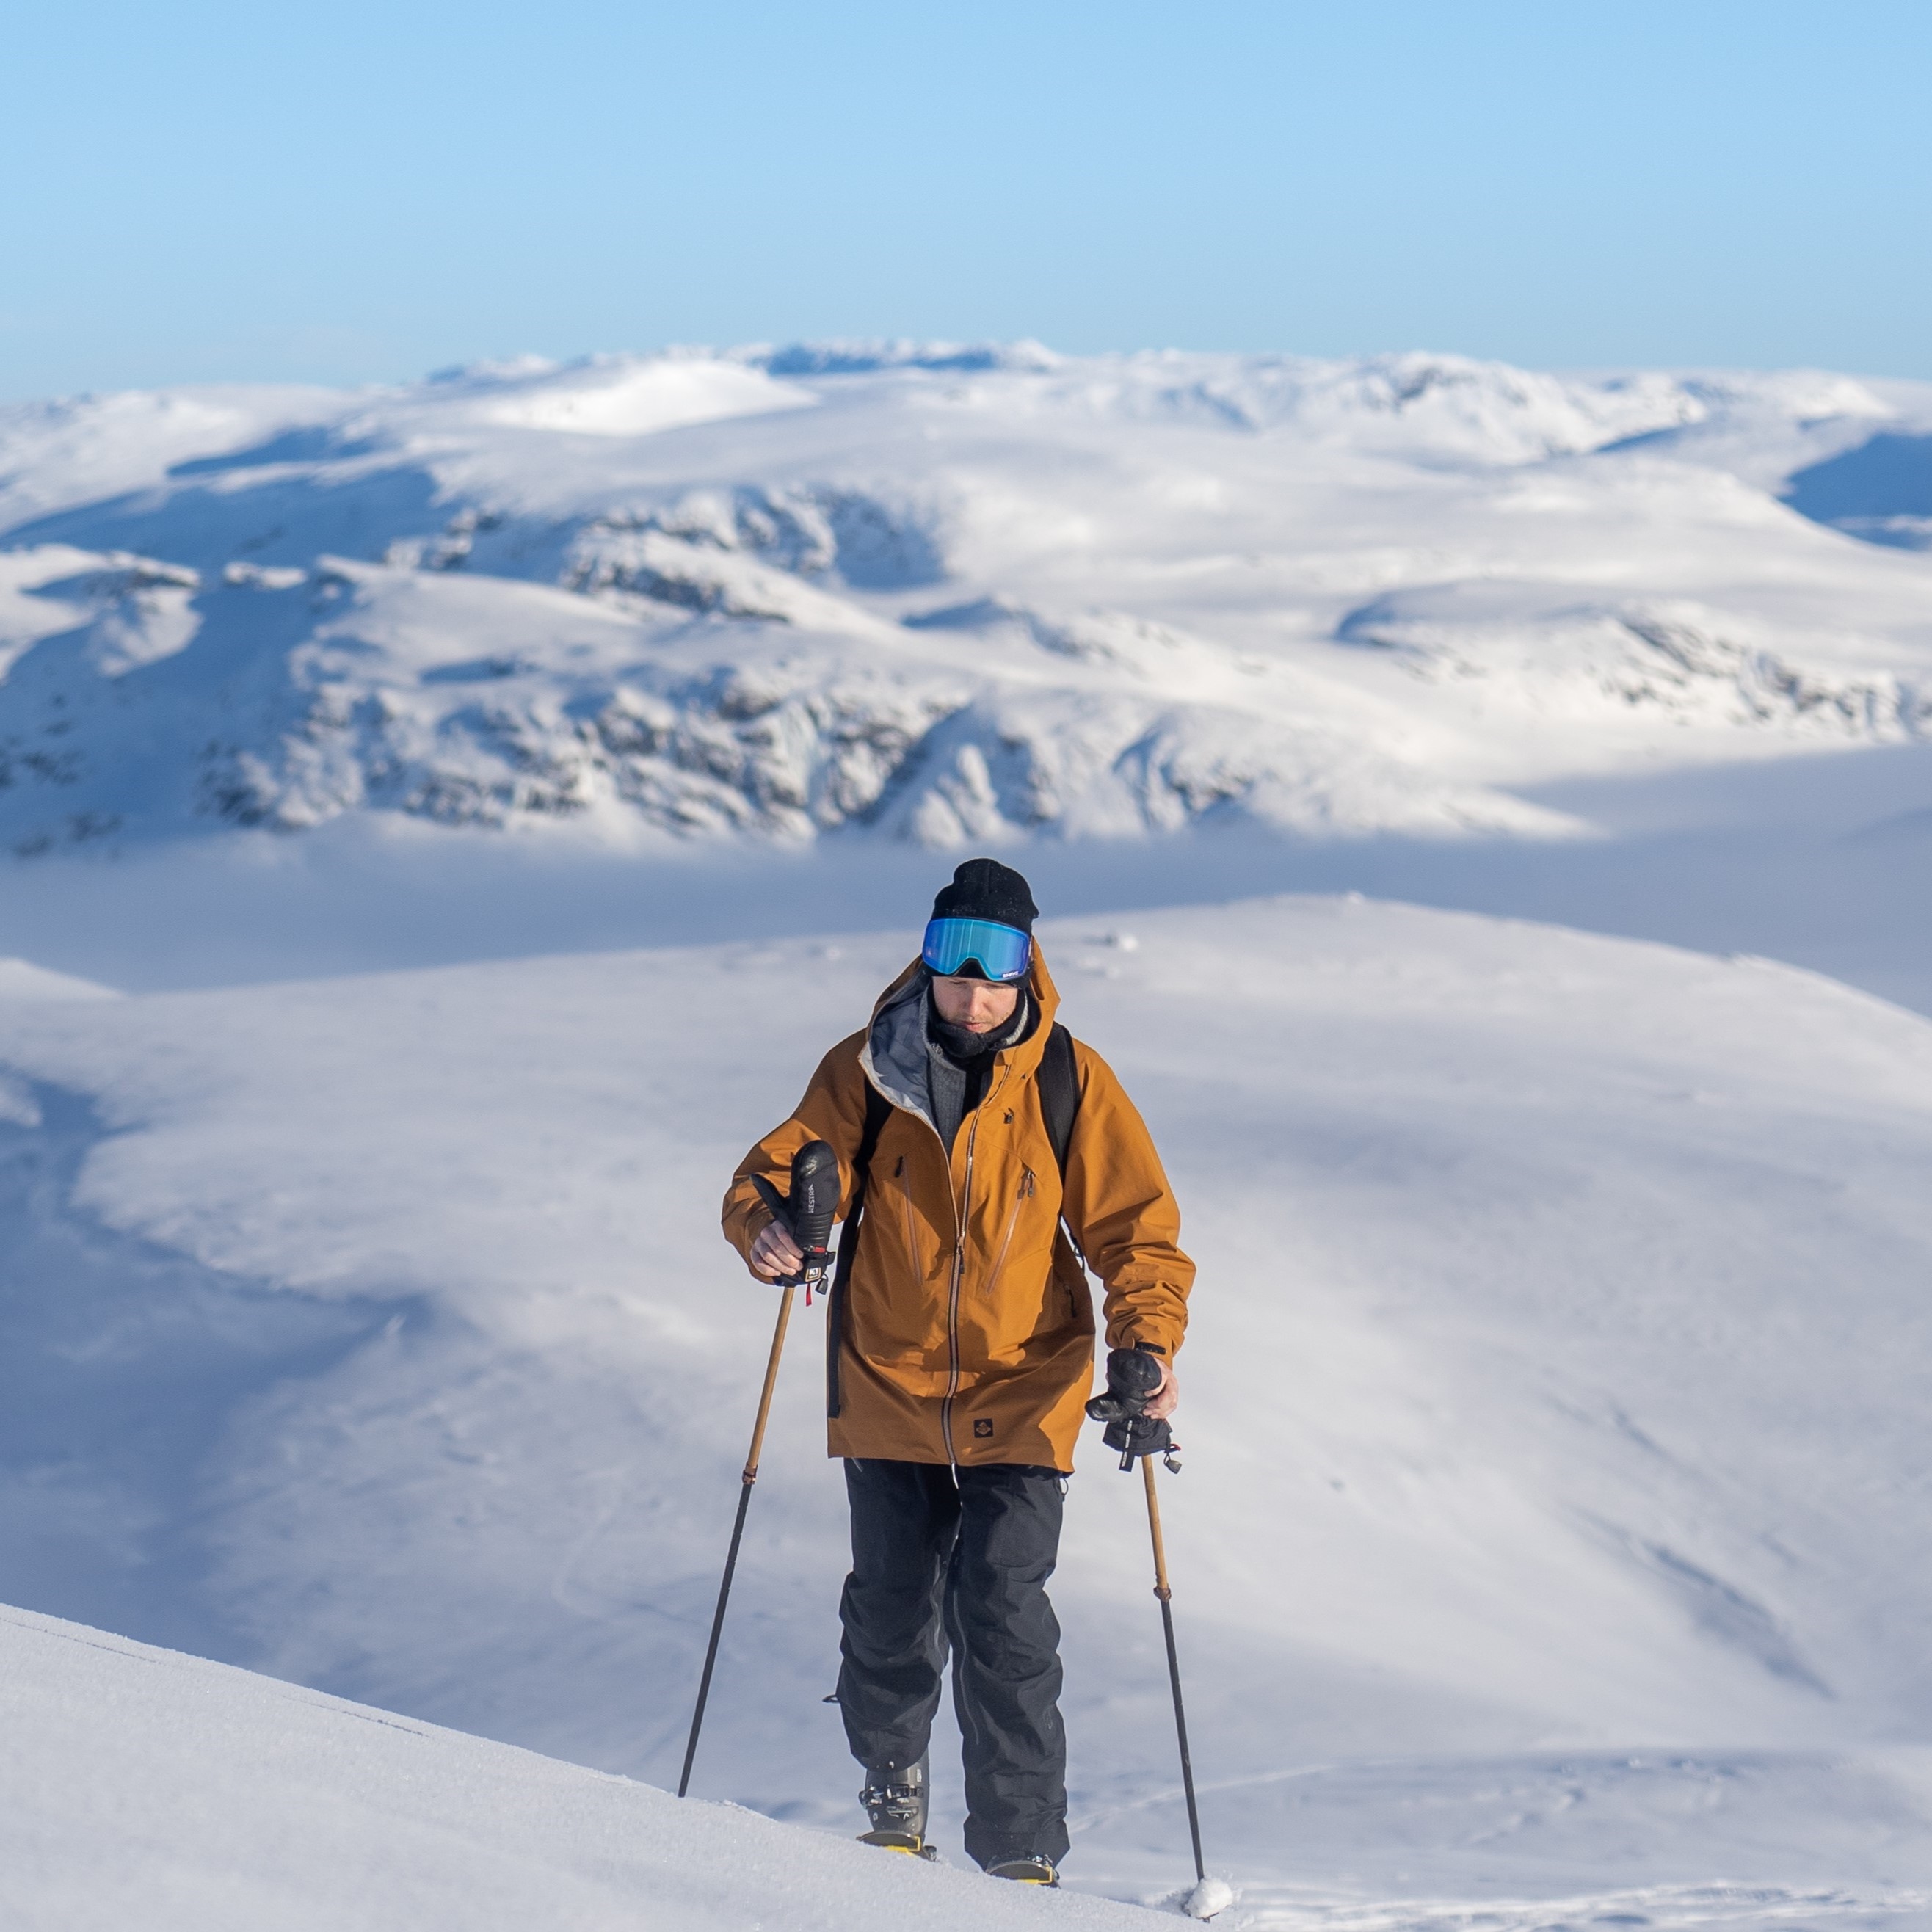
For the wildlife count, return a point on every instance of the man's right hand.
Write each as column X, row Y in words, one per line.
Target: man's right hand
column 774, row 1253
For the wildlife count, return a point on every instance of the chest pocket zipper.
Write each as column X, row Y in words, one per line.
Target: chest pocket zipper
column 1021, row 1195
column 905, row 1215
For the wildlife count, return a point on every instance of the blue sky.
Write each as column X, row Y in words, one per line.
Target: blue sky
column 207, row 191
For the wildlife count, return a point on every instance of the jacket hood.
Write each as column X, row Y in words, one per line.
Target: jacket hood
column 894, row 1055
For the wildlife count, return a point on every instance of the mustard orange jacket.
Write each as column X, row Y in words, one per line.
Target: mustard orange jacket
column 968, row 1327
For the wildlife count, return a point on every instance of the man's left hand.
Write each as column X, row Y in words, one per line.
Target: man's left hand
column 1166, row 1399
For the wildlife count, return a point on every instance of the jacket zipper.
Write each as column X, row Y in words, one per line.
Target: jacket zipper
column 952, row 1299
column 1021, row 1195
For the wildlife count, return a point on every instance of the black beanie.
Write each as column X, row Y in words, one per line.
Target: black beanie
column 985, row 888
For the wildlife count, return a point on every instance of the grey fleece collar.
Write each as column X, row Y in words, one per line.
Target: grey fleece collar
column 896, row 1052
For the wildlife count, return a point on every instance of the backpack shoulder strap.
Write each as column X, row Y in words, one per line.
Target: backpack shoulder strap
column 878, row 1111
column 1059, row 1092
column 1060, row 1104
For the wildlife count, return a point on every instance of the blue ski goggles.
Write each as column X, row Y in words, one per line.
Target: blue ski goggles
column 1001, row 952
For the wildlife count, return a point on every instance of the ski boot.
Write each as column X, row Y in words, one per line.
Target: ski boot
column 1033, row 1870
column 895, row 1801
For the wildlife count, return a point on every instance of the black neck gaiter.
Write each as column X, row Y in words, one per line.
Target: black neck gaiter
column 963, row 1060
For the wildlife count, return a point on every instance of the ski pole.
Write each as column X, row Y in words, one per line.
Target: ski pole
column 1133, row 1375
column 750, row 1476
column 807, row 1213
column 1161, row 1590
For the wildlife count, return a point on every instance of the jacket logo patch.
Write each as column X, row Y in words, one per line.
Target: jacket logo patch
column 983, row 1427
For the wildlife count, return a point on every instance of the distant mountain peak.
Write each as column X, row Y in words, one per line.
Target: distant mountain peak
column 940, row 591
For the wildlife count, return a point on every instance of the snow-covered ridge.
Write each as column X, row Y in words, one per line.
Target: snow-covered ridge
column 942, row 592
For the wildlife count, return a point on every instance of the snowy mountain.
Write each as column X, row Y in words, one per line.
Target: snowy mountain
column 944, row 594
column 1551, row 1545
column 1552, row 1524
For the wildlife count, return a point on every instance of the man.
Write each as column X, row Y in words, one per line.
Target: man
column 960, row 1351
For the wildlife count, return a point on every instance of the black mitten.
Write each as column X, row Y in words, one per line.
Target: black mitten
column 806, row 1212
column 1132, row 1376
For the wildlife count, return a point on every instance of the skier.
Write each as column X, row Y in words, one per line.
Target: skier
column 960, row 1350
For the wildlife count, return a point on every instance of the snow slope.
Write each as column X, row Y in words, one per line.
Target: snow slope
column 146, row 1788
column 944, row 594
column 1554, row 1521
column 143, row 1787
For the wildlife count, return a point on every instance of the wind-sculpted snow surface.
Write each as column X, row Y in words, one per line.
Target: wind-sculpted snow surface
column 1552, row 1540
column 941, row 593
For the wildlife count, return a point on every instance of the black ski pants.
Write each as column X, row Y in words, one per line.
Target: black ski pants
column 959, row 1558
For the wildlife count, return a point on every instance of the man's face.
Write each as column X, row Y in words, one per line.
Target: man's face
column 977, row 1005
